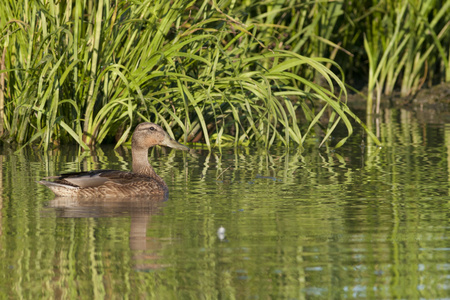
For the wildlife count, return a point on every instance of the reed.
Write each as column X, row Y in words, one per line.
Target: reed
column 406, row 45
column 84, row 71
column 219, row 73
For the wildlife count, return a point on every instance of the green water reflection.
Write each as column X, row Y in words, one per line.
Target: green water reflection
column 358, row 222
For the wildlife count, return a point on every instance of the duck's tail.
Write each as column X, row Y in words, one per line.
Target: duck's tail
column 62, row 190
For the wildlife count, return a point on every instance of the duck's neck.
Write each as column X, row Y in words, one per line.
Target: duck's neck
column 141, row 164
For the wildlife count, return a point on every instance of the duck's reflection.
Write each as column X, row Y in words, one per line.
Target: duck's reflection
column 140, row 211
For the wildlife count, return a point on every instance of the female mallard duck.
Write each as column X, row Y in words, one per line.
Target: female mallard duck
column 143, row 181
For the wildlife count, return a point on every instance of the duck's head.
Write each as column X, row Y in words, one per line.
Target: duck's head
column 147, row 135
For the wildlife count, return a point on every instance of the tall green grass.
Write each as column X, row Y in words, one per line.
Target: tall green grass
column 220, row 73
column 408, row 41
column 90, row 71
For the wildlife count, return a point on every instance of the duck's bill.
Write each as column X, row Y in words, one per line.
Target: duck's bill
column 169, row 142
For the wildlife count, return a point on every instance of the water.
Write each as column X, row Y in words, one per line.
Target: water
column 353, row 223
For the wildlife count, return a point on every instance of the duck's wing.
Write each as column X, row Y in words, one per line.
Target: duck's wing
column 94, row 178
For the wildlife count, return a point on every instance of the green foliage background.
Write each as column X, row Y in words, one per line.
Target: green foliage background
column 221, row 73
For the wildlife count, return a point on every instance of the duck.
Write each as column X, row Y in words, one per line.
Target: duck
column 141, row 182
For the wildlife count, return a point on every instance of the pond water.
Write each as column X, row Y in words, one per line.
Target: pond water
column 351, row 223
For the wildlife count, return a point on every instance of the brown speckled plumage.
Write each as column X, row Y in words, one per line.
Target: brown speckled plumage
column 143, row 181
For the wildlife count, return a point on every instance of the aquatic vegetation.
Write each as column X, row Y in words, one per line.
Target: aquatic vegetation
column 227, row 73
column 407, row 46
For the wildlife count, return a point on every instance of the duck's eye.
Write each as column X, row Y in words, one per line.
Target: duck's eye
column 152, row 128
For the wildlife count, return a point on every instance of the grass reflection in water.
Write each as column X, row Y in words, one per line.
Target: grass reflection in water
column 344, row 224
